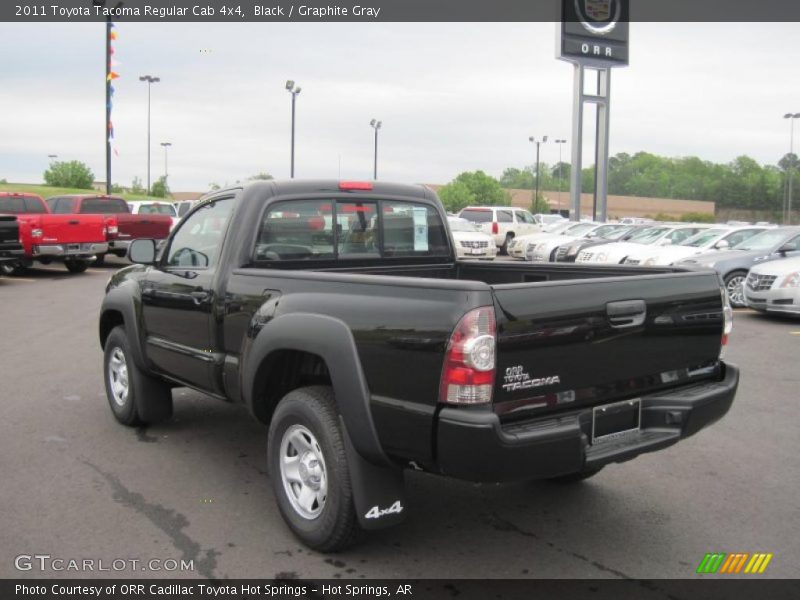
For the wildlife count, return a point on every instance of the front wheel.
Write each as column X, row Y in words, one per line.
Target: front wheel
column 76, row 266
column 506, row 242
column 734, row 285
column 309, row 472
column 135, row 398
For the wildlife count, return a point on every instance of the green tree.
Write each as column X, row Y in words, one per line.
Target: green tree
column 455, row 196
column 160, row 189
column 540, row 206
column 263, row 176
column 73, row 174
column 517, row 179
column 486, row 189
column 137, row 187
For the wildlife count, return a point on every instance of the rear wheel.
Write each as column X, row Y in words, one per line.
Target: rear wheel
column 76, row 266
column 734, row 285
column 309, row 472
column 134, row 397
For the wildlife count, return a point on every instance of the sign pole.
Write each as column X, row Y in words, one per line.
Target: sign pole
column 575, row 183
column 601, row 164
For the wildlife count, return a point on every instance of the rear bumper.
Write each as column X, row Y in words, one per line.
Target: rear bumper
column 475, row 446
column 11, row 253
column 69, row 250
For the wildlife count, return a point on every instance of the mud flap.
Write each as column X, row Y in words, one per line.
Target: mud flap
column 378, row 492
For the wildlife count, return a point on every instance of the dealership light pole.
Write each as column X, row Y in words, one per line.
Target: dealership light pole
column 375, row 125
column 788, row 204
column 150, row 80
column 293, row 91
column 166, row 146
column 52, row 157
column 560, row 143
column 537, row 142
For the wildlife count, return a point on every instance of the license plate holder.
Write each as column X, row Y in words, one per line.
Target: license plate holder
column 612, row 421
column 73, row 247
column 477, row 251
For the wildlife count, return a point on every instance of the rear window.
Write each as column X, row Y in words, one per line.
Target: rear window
column 504, row 216
column 20, row 205
column 346, row 229
column 101, row 206
column 157, row 209
column 476, row 215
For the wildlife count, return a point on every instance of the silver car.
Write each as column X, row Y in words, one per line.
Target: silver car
column 774, row 287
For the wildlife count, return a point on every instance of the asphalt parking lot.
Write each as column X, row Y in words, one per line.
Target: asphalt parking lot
column 76, row 485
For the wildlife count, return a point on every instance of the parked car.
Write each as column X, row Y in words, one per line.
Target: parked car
column 656, row 235
column 774, row 286
column 733, row 265
column 547, row 249
column 183, row 206
column 716, row 238
column 123, row 227
column 154, row 207
column 469, row 241
column 504, row 223
column 518, row 247
column 11, row 250
column 545, row 220
column 368, row 348
column 45, row 237
column 569, row 252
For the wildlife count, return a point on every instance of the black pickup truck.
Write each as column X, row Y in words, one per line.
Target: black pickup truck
column 11, row 250
column 339, row 315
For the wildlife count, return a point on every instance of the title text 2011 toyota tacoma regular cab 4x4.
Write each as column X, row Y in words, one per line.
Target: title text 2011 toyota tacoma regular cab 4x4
column 338, row 314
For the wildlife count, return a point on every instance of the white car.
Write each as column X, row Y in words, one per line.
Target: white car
column 774, row 286
column 657, row 235
column 504, row 223
column 469, row 242
column 154, row 207
column 716, row 238
column 182, row 207
column 518, row 247
column 545, row 250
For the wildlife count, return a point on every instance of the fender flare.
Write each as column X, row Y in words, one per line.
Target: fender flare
column 332, row 340
column 119, row 299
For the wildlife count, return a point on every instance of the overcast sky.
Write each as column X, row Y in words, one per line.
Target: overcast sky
column 452, row 97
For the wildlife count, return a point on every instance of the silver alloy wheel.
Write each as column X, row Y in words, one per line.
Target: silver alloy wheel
column 118, row 376
column 303, row 471
column 735, row 290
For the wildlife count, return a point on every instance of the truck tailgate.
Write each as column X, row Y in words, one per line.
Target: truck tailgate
column 67, row 229
column 567, row 344
column 143, row 226
column 9, row 229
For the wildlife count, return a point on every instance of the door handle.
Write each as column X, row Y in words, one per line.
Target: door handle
column 200, row 296
column 627, row 313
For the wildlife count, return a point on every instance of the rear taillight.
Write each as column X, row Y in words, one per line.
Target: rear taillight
column 112, row 226
column 469, row 363
column 495, row 228
column 727, row 321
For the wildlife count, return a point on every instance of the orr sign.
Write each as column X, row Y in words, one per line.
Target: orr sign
column 594, row 32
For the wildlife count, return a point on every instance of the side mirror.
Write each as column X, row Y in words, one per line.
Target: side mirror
column 142, row 251
column 722, row 245
column 787, row 247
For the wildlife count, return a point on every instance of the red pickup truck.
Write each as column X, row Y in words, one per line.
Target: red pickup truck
column 123, row 227
column 71, row 239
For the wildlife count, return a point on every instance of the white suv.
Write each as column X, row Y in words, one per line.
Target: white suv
column 503, row 223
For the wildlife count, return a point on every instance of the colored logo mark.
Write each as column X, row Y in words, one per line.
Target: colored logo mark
column 737, row 562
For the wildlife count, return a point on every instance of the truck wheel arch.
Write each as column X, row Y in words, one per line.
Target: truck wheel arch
column 330, row 340
column 119, row 309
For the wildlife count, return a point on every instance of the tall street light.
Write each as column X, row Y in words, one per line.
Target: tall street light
column 375, row 125
column 150, row 80
column 293, row 91
column 52, row 157
column 537, row 142
column 166, row 146
column 791, row 117
column 560, row 143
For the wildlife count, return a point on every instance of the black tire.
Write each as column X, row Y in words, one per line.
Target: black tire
column 313, row 410
column 76, row 266
column 576, row 477
column 147, row 399
column 99, row 260
column 734, row 282
column 504, row 247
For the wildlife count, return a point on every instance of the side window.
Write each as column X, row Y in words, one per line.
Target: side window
column 51, row 204
column 34, row 206
column 63, row 206
column 295, row 230
column 411, row 229
column 740, row 236
column 357, row 226
column 795, row 241
column 679, row 235
column 504, row 216
column 183, row 208
column 523, row 216
column 198, row 240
